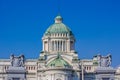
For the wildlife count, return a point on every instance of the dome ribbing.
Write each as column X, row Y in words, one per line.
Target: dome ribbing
column 58, row 27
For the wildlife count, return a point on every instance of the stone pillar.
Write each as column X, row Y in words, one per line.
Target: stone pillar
column 48, row 45
column 52, row 77
column 52, row 45
column 68, row 45
column 43, row 46
column 64, row 46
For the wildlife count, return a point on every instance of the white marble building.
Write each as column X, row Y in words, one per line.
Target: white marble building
column 59, row 61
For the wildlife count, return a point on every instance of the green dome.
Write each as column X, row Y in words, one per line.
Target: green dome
column 58, row 27
column 59, row 62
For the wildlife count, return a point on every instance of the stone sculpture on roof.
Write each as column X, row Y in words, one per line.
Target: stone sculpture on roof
column 104, row 61
column 17, row 61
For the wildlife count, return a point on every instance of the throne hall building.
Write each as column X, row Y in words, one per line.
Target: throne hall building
column 58, row 60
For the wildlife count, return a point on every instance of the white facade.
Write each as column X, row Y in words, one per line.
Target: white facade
column 67, row 67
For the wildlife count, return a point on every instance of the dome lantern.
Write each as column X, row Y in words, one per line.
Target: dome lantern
column 58, row 19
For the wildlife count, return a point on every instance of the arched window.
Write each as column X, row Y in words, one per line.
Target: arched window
column 29, row 67
column 89, row 68
column 34, row 67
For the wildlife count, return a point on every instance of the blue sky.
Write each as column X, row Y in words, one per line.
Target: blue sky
column 95, row 24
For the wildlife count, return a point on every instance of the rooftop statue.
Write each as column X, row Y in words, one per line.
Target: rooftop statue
column 17, row 61
column 104, row 61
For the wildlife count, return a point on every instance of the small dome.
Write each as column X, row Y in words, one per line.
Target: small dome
column 58, row 62
column 58, row 27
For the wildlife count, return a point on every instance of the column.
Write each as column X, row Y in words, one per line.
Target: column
column 68, row 45
column 63, row 45
column 48, row 43
column 51, row 77
column 52, row 45
column 43, row 46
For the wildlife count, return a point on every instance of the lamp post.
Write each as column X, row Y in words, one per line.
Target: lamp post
column 82, row 70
